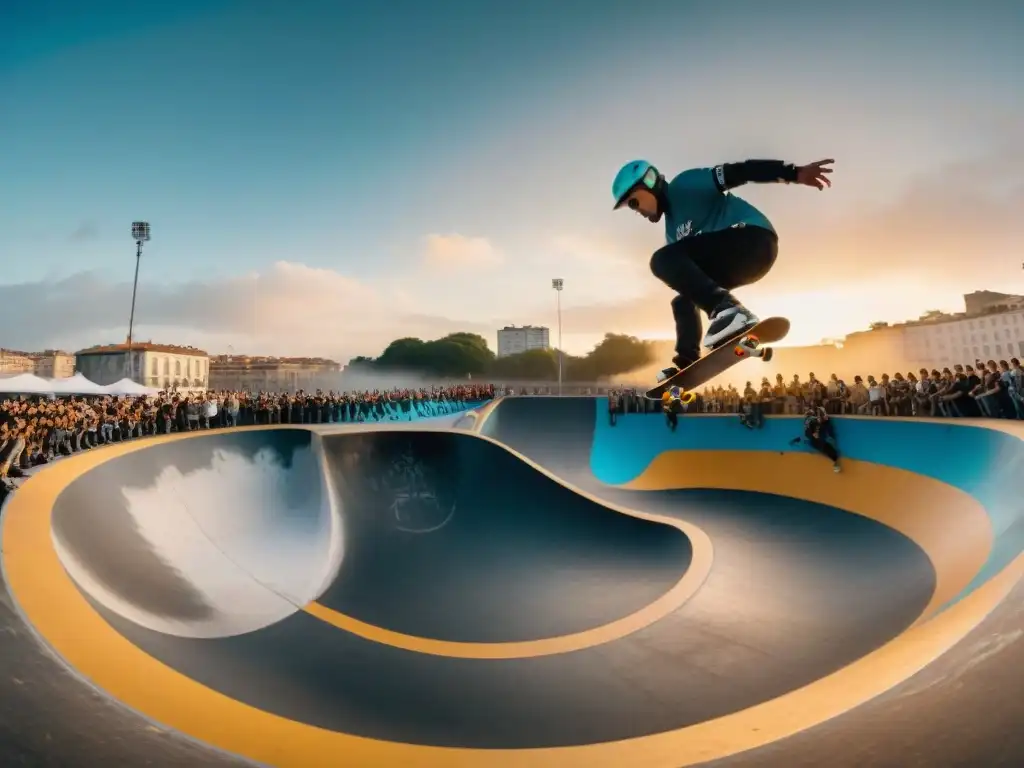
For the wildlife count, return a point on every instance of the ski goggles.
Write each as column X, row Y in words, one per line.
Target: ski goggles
column 648, row 181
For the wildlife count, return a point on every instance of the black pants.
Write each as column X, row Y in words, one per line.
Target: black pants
column 753, row 415
column 824, row 442
column 703, row 269
column 821, row 446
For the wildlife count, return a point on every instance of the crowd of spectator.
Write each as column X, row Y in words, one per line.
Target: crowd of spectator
column 35, row 430
column 982, row 390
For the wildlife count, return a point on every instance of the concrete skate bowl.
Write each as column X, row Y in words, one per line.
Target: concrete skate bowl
column 951, row 490
column 289, row 595
column 593, row 595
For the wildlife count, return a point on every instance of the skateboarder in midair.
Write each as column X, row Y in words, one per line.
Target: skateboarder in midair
column 716, row 241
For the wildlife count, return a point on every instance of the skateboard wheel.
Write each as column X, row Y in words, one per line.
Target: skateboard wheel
column 766, row 354
column 750, row 343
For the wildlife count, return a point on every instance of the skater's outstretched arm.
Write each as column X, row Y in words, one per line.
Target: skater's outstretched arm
column 731, row 175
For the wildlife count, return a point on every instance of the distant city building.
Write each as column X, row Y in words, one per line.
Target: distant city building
column 12, row 363
column 992, row 328
column 272, row 374
column 936, row 340
column 996, row 335
column 513, row 340
column 54, row 364
column 163, row 366
column 980, row 302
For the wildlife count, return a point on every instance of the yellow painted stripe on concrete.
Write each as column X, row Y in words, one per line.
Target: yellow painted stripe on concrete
column 949, row 525
column 672, row 600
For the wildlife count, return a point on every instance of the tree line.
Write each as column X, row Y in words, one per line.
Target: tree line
column 466, row 355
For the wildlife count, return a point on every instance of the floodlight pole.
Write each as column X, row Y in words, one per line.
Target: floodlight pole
column 140, row 232
column 557, row 283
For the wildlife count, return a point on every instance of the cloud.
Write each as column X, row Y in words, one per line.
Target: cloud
column 456, row 251
column 602, row 254
column 84, row 232
column 961, row 220
column 596, row 265
column 594, row 251
column 290, row 309
column 435, row 326
column 644, row 315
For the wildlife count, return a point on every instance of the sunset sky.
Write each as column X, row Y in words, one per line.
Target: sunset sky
column 323, row 177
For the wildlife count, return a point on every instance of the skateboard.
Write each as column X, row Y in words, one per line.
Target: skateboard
column 750, row 343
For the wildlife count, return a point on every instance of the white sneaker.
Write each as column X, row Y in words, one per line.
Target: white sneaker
column 727, row 322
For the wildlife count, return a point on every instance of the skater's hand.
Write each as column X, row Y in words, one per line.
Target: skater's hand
column 815, row 174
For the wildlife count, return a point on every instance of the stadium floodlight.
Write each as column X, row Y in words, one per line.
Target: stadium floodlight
column 557, row 283
column 140, row 234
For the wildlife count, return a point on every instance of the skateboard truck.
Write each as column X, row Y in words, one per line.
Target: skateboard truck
column 750, row 346
column 683, row 396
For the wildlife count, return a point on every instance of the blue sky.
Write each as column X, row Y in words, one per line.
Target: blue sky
column 322, row 177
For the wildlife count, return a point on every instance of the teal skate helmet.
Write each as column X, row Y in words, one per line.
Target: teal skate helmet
column 632, row 175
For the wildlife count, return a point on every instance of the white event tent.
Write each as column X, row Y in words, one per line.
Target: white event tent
column 25, row 384
column 75, row 385
column 129, row 387
column 29, row 384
